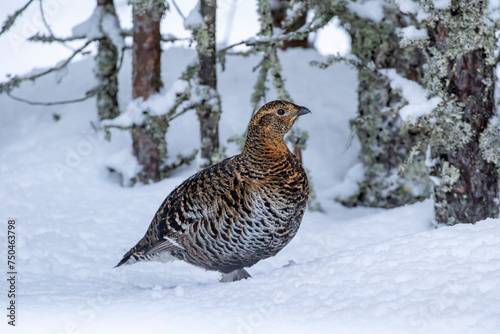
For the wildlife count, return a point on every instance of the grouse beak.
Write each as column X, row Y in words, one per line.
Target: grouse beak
column 303, row 111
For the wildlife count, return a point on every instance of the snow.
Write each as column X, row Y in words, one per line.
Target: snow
column 296, row 7
column 493, row 10
column 100, row 24
column 368, row 9
column 360, row 270
column 412, row 33
column 194, row 18
column 90, row 27
column 157, row 105
column 408, row 6
column 110, row 27
column 350, row 184
column 418, row 104
column 442, row 4
column 325, row 36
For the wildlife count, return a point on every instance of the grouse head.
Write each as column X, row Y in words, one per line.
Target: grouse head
column 274, row 119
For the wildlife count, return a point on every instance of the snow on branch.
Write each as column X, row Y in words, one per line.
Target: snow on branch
column 416, row 96
column 411, row 35
column 101, row 24
column 368, row 9
column 194, row 20
column 177, row 100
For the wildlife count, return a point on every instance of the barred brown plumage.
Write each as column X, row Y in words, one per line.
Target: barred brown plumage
column 235, row 213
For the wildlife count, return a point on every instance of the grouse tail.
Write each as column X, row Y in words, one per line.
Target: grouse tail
column 134, row 255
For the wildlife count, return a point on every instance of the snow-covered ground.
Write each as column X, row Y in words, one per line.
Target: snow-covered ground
column 347, row 271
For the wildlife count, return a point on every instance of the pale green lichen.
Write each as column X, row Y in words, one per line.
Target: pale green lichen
column 445, row 126
column 107, row 75
column 489, row 142
column 154, row 8
column 449, row 176
column 394, row 173
column 460, row 31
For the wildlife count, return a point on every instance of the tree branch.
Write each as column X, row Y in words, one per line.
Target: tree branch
column 177, row 113
column 15, row 81
column 51, row 38
column 275, row 41
column 179, row 10
column 49, row 29
column 90, row 93
column 9, row 22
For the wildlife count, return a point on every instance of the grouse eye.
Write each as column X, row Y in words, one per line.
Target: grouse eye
column 281, row 112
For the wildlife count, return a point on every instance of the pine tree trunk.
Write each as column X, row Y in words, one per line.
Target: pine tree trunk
column 385, row 143
column 107, row 71
column 209, row 110
column 473, row 194
column 149, row 143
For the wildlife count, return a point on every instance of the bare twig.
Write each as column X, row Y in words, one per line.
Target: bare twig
column 178, row 10
column 275, row 41
column 49, row 29
column 42, row 13
column 15, row 81
column 172, row 39
column 272, row 41
column 112, row 126
column 168, row 38
column 181, row 160
column 63, row 64
column 246, row 42
column 89, row 94
column 182, row 111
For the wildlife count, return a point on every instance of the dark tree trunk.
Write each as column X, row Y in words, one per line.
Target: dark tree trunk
column 474, row 194
column 146, row 67
column 107, row 71
column 209, row 109
column 149, row 143
column 385, row 142
column 278, row 13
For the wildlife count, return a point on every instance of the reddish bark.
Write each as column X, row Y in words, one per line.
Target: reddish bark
column 148, row 139
column 146, row 68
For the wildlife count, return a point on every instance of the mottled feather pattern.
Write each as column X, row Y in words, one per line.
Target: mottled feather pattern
column 235, row 213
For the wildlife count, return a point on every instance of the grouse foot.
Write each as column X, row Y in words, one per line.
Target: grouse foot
column 236, row 275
